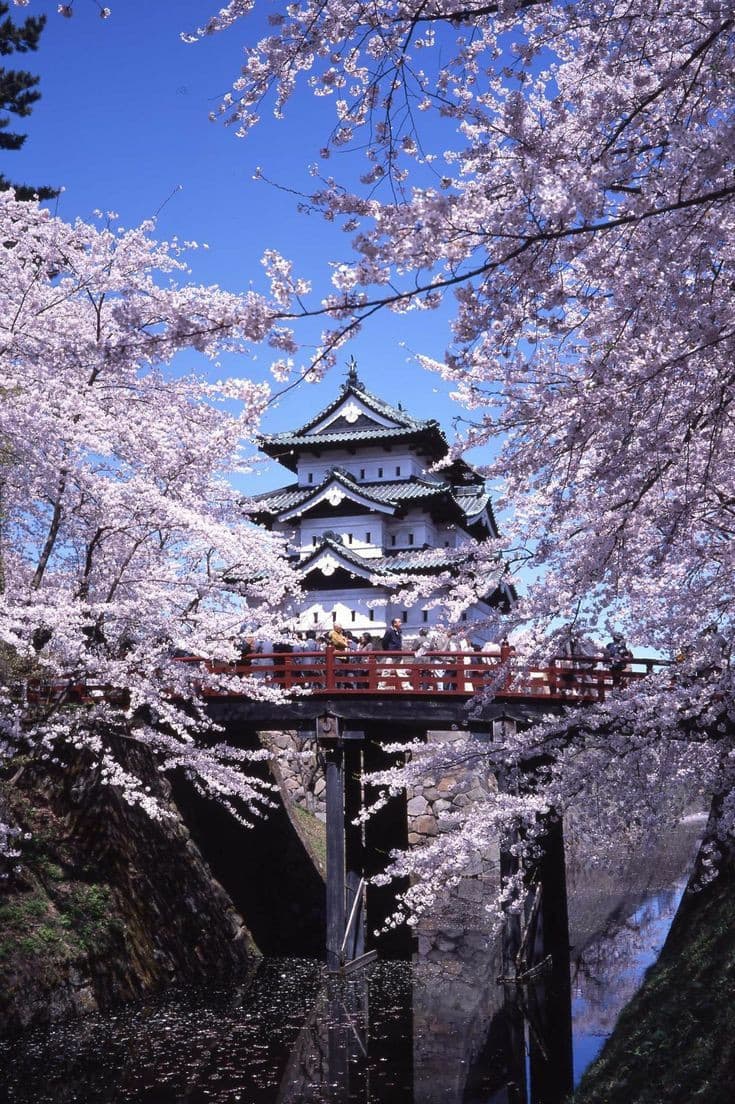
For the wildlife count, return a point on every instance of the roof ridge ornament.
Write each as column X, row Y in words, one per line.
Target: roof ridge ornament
column 353, row 380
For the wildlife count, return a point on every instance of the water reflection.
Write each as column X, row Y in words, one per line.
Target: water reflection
column 438, row 1031
column 608, row 971
column 356, row 1044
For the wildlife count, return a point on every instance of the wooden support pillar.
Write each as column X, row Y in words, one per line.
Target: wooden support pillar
column 354, row 850
column 342, row 750
column 336, row 918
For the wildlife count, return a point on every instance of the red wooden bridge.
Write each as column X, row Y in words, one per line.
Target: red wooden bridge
column 352, row 703
column 396, row 677
column 434, row 674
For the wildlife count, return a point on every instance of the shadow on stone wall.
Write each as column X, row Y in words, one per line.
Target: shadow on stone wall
column 266, row 869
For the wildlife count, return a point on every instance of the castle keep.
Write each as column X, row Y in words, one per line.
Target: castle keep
column 365, row 504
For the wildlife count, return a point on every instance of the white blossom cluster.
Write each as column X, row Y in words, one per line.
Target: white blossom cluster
column 123, row 544
column 566, row 171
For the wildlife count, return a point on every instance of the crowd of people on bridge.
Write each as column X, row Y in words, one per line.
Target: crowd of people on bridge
column 575, row 648
column 344, row 641
column 451, row 663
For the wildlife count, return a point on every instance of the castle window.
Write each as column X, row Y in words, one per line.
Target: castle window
column 313, row 541
column 410, row 538
column 371, row 615
column 362, row 473
column 316, row 618
column 398, row 469
column 349, row 538
column 464, row 617
column 310, row 477
column 352, row 615
column 425, row 615
column 404, row 615
column 334, row 616
column 380, row 473
column 393, row 540
column 368, row 538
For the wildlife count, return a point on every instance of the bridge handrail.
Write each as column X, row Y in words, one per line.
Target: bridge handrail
column 430, row 673
column 434, row 672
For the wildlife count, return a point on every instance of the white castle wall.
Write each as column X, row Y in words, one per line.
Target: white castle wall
column 372, row 465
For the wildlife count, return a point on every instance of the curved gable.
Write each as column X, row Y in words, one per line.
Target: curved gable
column 334, row 491
column 353, row 413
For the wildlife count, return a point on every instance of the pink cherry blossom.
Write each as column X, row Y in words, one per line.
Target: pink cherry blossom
column 573, row 192
column 122, row 541
column 563, row 173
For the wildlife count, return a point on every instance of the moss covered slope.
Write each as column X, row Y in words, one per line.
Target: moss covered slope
column 104, row 904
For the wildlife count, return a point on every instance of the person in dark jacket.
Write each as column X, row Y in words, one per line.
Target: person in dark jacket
column 393, row 642
column 618, row 655
column 392, row 637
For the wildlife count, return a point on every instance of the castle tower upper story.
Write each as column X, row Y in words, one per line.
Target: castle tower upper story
column 365, row 503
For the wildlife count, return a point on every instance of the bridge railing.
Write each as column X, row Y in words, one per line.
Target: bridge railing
column 434, row 674
column 463, row 674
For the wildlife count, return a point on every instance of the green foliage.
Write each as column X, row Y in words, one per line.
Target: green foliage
column 22, row 909
column 79, row 919
column 88, row 911
column 18, row 91
column 55, row 910
column 50, row 870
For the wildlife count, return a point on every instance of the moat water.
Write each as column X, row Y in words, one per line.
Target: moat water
column 440, row 1030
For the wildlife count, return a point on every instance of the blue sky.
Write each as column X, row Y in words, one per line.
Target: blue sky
column 123, row 122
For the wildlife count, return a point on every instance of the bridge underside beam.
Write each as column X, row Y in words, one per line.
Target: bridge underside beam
column 392, row 712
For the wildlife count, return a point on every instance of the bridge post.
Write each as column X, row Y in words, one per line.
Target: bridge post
column 354, row 848
column 329, row 735
column 335, row 857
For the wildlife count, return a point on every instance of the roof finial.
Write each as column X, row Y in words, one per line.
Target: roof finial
column 353, row 380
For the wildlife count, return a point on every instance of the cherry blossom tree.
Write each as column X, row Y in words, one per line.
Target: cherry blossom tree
column 123, row 542
column 565, row 172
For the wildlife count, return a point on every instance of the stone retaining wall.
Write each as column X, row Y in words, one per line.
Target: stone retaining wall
column 429, row 804
column 299, row 770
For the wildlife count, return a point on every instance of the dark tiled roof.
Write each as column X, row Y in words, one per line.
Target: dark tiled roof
column 363, row 562
column 403, row 427
column 399, row 491
column 274, row 502
column 303, row 440
column 383, row 409
column 412, row 560
column 422, row 559
column 389, row 493
column 471, row 501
